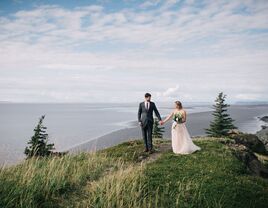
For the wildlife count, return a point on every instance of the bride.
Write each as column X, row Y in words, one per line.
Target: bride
column 181, row 140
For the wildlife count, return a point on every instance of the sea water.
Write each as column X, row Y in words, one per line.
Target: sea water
column 72, row 124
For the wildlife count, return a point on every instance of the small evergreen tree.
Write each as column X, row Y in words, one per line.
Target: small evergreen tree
column 158, row 130
column 38, row 144
column 222, row 123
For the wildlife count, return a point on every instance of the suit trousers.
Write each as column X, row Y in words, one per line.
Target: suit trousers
column 147, row 131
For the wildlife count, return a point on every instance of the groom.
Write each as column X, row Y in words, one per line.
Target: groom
column 146, row 121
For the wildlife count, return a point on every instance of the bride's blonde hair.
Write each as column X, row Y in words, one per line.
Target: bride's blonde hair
column 179, row 105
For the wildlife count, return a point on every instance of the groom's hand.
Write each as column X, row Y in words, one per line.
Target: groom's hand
column 161, row 122
column 140, row 124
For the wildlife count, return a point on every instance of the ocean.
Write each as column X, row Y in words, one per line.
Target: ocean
column 70, row 125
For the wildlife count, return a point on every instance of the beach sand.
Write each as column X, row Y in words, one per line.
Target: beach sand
column 246, row 119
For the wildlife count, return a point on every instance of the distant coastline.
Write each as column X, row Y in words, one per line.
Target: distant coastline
column 90, row 127
column 129, row 133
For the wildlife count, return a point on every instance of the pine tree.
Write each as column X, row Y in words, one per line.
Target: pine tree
column 222, row 123
column 158, row 130
column 38, row 144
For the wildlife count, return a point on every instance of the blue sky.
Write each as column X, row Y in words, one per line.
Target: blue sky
column 114, row 51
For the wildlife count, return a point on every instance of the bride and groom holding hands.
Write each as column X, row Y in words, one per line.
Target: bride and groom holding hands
column 181, row 140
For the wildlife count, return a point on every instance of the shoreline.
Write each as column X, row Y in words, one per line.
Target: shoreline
column 247, row 119
column 118, row 136
column 126, row 125
column 197, row 121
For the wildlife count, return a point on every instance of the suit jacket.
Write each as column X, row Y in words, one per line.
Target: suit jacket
column 146, row 116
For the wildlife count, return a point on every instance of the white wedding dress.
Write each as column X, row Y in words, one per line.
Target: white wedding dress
column 181, row 140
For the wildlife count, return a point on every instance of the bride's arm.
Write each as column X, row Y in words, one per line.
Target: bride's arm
column 168, row 118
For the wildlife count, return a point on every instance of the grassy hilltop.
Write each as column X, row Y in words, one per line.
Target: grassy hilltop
column 124, row 176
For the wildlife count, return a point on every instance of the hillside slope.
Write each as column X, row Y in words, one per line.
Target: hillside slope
column 124, row 176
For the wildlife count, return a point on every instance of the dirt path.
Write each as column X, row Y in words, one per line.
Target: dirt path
column 160, row 149
column 111, row 172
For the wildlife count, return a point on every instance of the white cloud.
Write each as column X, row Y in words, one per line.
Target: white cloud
column 149, row 3
column 172, row 92
column 86, row 52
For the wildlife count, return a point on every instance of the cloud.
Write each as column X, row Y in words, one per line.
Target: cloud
column 172, row 91
column 150, row 3
column 92, row 53
column 57, row 26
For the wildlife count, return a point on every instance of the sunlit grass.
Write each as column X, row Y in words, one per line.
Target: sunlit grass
column 39, row 182
column 115, row 177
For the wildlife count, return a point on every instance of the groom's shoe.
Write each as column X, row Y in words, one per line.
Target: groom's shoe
column 145, row 150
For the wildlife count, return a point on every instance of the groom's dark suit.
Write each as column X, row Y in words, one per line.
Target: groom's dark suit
column 145, row 117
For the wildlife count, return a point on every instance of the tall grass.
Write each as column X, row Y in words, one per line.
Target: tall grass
column 41, row 182
column 122, row 188
column 129, row 188
column 212, row 177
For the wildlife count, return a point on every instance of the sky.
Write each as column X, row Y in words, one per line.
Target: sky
column 115, row 51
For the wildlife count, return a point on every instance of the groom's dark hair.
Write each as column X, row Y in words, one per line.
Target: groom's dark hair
column 147, row 95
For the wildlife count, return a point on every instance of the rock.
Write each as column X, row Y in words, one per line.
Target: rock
column 251, row 161
column 234, row 132
column 263, row 127
column 264, row 118
column 263, row 136
column 251, row 141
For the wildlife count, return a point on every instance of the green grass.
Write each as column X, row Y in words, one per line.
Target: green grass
column 44, row 182
column 213, row 177
column 131, row 151
column 115, row 177
column 127, row 151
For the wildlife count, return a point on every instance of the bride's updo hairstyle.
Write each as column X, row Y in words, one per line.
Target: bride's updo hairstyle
column 178, row 104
